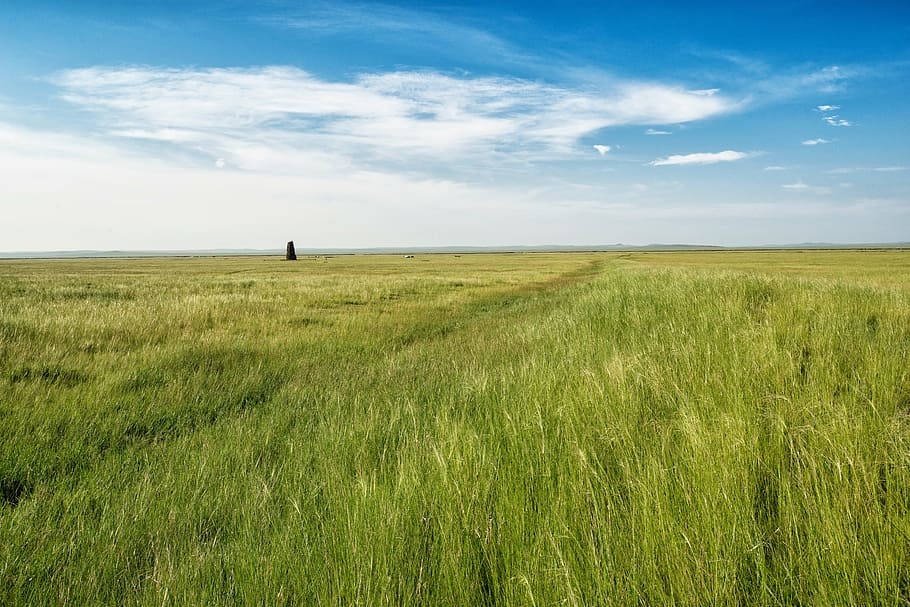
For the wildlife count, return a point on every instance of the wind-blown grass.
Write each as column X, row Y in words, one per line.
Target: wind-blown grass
column 672, row 428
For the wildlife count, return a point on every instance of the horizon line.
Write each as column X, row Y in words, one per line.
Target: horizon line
column 437, row 249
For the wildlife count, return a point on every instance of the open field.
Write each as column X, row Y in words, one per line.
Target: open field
column 535, row 429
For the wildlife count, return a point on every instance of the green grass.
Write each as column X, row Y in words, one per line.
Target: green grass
column 535, row 429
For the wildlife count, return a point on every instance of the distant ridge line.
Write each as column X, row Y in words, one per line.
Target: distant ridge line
column 619, row 247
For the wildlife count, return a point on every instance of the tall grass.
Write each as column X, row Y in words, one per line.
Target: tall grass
column 525, row 429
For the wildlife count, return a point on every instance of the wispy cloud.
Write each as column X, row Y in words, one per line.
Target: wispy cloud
column 246, row 115
column 760, row 82
column 657, row 132
column 705, row 92
column 746, row 63
column 793, row 82
column 837, row 121
column 440, row 30
column 700, row 158
column 846, row 170
column 602, row 149
column 330, row 204
column 774, row 168
column 832, row 119
column 816, row 141
column 801, row 186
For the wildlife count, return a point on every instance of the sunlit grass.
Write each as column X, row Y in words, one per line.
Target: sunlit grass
column 653, row 428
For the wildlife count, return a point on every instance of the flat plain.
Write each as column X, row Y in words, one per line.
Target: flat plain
column 692, row 428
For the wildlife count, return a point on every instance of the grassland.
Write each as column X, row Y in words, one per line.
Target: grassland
column 583, row 429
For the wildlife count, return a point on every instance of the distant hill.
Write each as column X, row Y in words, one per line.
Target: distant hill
column 451, row 249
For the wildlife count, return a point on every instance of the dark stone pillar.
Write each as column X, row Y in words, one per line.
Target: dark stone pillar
column 291, row 254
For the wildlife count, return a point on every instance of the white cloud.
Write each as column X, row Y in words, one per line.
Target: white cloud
column 108, row 196
column 799, row 185
column 705, row 92
column 774, row 168
column 846, row 170
column 243, row 114
column 656, row 132
column 700, row 158
column 827, row 108
column 440, row 30
column 602, row 149
column 219, row 163
column 103, row 198
column 837, row 121
column 815, row 141
column 785, row 84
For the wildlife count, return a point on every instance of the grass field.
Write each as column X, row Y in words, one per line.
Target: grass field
column 701, row 428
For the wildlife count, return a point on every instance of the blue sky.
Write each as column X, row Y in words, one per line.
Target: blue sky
column 170, row 125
